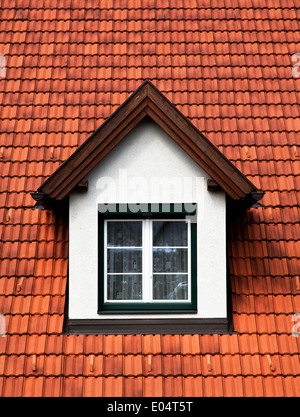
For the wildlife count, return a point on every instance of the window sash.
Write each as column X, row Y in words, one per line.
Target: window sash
column 147, row 263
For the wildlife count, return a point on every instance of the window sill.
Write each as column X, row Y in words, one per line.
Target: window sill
column 148, row 308
column 147, row 311
column 147, row 326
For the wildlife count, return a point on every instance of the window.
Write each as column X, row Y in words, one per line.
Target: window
column 147, row 261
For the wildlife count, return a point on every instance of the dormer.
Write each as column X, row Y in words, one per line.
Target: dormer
column 147, row 195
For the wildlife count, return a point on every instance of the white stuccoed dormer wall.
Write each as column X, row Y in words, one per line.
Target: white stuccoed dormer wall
column 131, row 173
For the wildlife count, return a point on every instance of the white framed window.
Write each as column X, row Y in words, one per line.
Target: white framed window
column 147, row 260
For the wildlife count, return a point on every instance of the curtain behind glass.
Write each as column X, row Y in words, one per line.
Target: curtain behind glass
column 170, row 260
column 124, row 260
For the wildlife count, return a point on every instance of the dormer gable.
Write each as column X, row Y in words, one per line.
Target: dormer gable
column 147, row 195
column 146, row 101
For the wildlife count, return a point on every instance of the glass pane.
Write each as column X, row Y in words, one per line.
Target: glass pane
column 170, row 287
column 169, row 233
column 170, row 260
column 120, row 233
column 124, row 287
column 124, row 260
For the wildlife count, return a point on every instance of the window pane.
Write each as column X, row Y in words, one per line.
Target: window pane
column 120, row 233
column 124, row 260
column 124, row 287
column 170, row 287
column 169, row 233
column 170, row 260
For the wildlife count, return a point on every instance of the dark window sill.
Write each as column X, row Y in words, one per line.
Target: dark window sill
column 148, row 308
column 147, row 326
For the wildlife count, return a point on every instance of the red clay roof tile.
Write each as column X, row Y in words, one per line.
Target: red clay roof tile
column 211, row 365
column 113, row 365
column 113, row 386
column 54, row 344
column 73, row 365
column 152, row 365
column 132, row 365
column 92, row 386
column 151, row 344
column 12, row 386
column 213, row 386
column 233, row 386
column 60, row 85
column 172, row 386
column 18, row 324
column 113, row 345
column 51, row 387
column 93, row 365
column 171, row 365
column 132, row 344
column 55, row 324
column 209, row 344
column 170, row 344
column 248, row 344
column 231, row 365
column 72, row 386
column 133, row 387
column 245, row 323
column 253, row 386
column 191, row 365
column 193, row 386
column 52, row 365
column 190, row 344
column 153, row 386
column 291, row 386
column 38, row 324
column 34, row 365
column 16, row 344
column 14, row 365
column 273, row 386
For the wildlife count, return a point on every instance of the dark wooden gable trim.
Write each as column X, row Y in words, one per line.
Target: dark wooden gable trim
column 145, row 101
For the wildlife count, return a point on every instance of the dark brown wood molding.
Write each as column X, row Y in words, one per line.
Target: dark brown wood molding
column 213, row 185
column 147, row 326
column 82, row 185
column 42, row 200
column 147, row 100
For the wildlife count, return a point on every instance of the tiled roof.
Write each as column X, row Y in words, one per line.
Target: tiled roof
column 227, row 66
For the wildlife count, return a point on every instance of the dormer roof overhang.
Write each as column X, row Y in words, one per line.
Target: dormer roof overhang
column 146, row 101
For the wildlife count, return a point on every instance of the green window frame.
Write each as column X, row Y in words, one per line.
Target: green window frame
column 148, row 213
